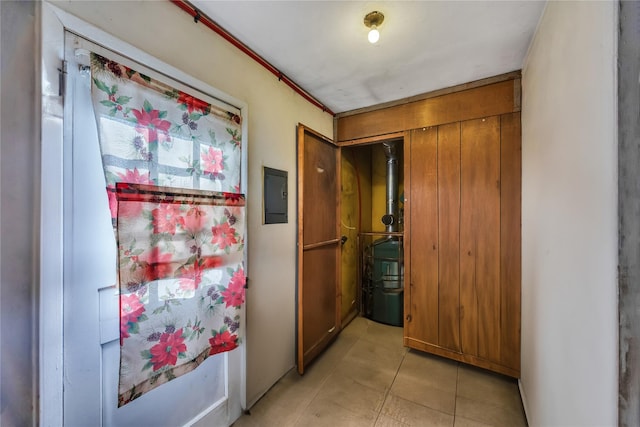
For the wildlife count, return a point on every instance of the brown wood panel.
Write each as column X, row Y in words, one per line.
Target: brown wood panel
column 510, row 238
column 423, row 212
column 494, row 99
column 480, row 238
column 461, row 357
column 449, row 235
column 319, row 299
column 320, row 181
column 407, row 234
column 318, row 245
column 513, row 75
column 373, row 139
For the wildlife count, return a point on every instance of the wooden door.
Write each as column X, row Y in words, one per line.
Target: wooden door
column 318, row 245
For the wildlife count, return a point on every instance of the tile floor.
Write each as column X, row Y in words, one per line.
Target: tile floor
column 367, row 378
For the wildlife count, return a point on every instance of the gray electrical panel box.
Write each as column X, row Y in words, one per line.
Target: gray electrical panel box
column 275, row 196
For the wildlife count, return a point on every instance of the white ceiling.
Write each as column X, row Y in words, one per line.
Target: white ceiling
column 424, row 45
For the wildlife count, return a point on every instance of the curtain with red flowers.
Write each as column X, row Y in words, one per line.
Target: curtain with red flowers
column 182, row 281
column 172, row 168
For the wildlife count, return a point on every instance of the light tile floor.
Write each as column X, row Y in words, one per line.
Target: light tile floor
column 367, row 378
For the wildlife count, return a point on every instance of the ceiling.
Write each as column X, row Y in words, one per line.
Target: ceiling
column 424, row 45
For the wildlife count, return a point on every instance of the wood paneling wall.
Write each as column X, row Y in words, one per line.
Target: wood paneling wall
column 462, row 218
column 483, row 101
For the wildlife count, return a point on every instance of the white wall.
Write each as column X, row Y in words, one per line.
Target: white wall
column 19, row 162
column 569, row 217
column 166, row 32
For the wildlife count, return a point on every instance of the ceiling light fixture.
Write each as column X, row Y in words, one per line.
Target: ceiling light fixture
column 373, row 20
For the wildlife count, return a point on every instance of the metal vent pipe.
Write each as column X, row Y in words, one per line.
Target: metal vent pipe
column 390, row 219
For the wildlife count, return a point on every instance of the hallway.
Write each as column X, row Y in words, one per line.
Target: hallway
column 367, row 378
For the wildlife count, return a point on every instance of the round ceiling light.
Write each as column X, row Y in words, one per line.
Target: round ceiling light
column 373, row 20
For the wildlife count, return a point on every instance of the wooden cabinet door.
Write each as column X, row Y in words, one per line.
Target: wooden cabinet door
column 463, row 241
column 421, row 244
column 433, row 242
column 318, row 245
column 510, row 239
column 449, row 236
column 480, row 238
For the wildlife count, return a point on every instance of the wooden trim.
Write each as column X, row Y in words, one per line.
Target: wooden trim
column 299, row 275
column 513, row 75
column 338, row 280
column 484, row 101
column 510, row 238
column 407, row 232
column 517, row 95
column 314, row 133
column 372, row 139
column 317, row 348
column 461, row 357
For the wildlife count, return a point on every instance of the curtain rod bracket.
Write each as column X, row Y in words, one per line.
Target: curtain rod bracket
column 197, row 16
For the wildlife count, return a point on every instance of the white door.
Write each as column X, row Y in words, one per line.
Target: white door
column 209, row 395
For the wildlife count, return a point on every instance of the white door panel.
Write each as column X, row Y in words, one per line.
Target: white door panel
column 91, row 310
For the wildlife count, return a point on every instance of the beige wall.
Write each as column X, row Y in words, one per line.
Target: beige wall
column 569, row 218
column 274, row 111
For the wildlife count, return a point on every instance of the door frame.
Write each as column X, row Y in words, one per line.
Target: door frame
column 53, row 24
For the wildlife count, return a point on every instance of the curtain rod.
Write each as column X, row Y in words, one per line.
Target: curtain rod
column 198, row 17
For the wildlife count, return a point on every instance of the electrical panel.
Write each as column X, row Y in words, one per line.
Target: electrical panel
column 275, row 196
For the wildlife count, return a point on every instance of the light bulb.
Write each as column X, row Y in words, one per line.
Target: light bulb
column 374, row 34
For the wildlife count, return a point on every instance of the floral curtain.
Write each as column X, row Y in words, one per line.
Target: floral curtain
column 151, row 133
column 172, row 167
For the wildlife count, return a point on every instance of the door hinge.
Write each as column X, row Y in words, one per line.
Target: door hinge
column 62, row 78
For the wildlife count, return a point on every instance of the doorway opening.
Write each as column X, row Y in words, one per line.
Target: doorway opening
column 372, row 225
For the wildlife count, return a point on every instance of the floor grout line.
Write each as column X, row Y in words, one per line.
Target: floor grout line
column 455, row 401
column 388, row 391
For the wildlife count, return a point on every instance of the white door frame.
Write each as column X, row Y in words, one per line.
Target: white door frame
column 53, row 23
